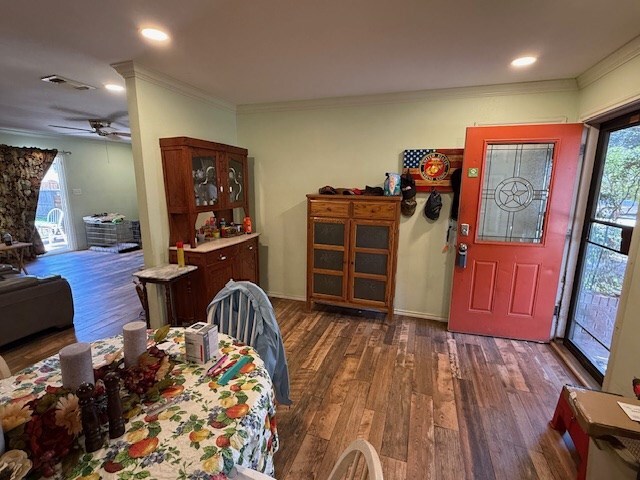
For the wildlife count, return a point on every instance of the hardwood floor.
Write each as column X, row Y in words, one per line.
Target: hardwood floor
column 104, row 299
column 435, row 405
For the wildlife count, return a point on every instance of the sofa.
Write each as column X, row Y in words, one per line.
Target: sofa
column 30, row 304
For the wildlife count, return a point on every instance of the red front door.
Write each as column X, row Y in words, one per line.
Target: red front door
column 516, row 196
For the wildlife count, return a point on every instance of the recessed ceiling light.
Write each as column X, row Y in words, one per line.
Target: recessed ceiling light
column 523, row 61
column 113, row 87
column 154, row 34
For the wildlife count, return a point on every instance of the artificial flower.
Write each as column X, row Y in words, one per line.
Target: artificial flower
column 14, row 414
column 68, row 414
column 165, row 367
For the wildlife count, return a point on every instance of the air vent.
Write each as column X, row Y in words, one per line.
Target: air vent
column 67, row 82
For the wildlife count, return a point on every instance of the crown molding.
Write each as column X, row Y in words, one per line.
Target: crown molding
column 608, row 64
column 546, row 86
column 130, row 69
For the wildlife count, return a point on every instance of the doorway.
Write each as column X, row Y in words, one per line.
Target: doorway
column 516, row 191
column 610, row 218
column 53, row 218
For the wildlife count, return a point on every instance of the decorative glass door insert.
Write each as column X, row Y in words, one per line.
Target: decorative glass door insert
column 236, row 172
column 515, row 192
column 204, row 171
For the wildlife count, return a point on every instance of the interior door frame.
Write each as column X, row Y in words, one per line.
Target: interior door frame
column 587, row 213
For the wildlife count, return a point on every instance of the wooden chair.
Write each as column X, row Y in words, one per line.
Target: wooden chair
column 236, row 317
column 4, row 369
column 349, row 464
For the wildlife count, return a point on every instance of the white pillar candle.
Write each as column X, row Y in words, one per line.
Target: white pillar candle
column 135, row 342
column 76, row 366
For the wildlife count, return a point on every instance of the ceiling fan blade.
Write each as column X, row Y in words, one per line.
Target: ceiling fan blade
column 120, row 134
column 73, row 128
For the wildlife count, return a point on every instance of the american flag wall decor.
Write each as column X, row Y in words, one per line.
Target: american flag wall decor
column 432, row 168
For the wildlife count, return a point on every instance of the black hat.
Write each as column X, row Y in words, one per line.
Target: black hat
column 407, row 186
column 408, row 206
column 456, row 180
column 433, row 206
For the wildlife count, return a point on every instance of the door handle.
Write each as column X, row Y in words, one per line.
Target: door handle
column 461, row 255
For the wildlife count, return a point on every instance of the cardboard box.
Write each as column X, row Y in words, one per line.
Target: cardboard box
column 201, row 342
column 599, row 414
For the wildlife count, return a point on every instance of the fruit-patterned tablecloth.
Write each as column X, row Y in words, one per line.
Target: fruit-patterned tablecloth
column 202, row 436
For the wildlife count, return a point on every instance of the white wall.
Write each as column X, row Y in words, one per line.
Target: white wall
column 157, row 109
column 102, row 170
column 300, row 147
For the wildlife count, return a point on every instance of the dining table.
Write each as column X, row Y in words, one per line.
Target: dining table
column 204, row 431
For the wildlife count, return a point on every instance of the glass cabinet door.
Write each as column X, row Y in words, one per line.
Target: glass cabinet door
column 371, row 261
column 206, row 181
column 235, row 172
column 329, row 260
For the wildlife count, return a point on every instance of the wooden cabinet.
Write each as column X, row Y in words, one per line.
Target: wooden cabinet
column 233, row 258
column 352, row 247
column 201, row 176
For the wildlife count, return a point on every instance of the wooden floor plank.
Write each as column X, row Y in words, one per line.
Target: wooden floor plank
column 421, row 446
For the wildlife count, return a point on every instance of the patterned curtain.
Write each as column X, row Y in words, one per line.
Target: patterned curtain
column 21, row 173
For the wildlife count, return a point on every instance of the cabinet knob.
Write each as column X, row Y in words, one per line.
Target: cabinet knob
column 223, row 257
column 251, row 248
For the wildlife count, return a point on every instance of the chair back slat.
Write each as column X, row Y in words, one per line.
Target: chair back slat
column 236, row 316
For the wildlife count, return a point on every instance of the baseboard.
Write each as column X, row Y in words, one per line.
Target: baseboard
column 396, row 311
column 426, row 316
column 287, row 297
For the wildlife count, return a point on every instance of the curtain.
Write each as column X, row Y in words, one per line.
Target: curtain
column 21, row 173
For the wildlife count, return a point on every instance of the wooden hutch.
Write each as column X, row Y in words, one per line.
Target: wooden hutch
column 352, row 250
column 201, row 177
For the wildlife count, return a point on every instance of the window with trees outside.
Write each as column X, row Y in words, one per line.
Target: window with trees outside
column 609, row 222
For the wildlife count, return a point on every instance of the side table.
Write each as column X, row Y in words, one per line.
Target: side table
column 17, row 249
column 165, row 275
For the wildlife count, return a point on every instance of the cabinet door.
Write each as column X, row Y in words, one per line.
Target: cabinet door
column 217, row 278
column 236, row 181
column 247, row 264
column 328, row 252
column 370, row 265
column 206, row 174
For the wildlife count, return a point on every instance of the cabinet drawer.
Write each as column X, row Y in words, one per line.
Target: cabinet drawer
column 329, row 209
column 222, row 255
column 375, row 210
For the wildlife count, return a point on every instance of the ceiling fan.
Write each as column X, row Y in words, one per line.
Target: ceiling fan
column 99, row 127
